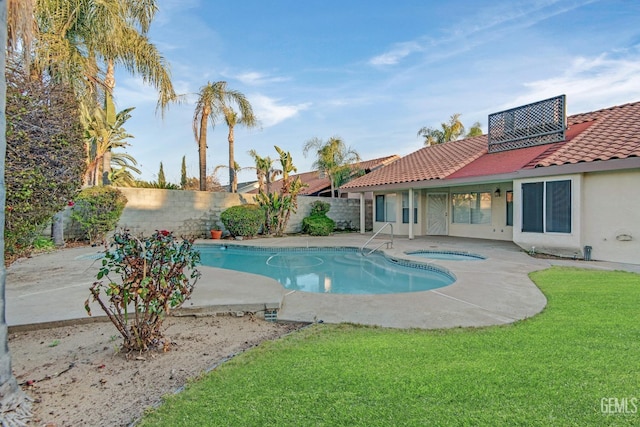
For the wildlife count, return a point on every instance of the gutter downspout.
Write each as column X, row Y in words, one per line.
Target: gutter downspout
column 411, row 219
column 363, row 208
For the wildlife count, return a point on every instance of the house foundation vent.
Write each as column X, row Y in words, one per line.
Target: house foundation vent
column 271, row 315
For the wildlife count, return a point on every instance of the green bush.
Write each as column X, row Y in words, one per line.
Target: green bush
column 157, row 275
column 320, row 208
column 45, row 158
column 97, row 210
column 318, row 225
column 243, row 220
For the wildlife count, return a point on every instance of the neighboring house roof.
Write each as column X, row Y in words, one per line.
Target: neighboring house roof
column 318, row 183
column 611, row 133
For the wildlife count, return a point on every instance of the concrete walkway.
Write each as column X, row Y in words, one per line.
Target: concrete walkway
column 52, row 288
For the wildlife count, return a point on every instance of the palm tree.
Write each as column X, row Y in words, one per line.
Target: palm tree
column 15, row 407
column 265, row 172
column 215, row 101
column 121, row 175
column 450, row 131
column 102, row 137
column 334, row 158
column 476, row 130
column 236, row 169
column 81, row 41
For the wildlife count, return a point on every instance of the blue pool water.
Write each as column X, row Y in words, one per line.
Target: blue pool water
column 343, row 271
column 448, row 256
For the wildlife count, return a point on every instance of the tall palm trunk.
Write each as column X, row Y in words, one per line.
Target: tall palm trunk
column 106, row 167
column 333, row 187
column 110, row 110
column 233, row 179
column 202, row 149
column 14, row 404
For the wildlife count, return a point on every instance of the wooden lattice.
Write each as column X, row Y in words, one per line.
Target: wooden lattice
column 541, row 122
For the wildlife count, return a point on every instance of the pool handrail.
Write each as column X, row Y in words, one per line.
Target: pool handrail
column 389, row 243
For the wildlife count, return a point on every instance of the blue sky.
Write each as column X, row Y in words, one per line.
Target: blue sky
column 373, row 73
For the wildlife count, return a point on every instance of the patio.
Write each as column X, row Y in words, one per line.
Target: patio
column 51, row 288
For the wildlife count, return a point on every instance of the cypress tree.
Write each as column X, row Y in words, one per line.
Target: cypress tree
column 183, row 175
column 162, row 181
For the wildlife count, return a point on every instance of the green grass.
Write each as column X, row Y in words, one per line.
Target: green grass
column 550, row 370
column 43, row 244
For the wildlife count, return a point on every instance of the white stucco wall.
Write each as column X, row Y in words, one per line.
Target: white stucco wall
column 562, row 244
column 611, row 211
column 497, row 230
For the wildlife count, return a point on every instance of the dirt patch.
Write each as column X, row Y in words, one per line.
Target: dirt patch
column 77, row 377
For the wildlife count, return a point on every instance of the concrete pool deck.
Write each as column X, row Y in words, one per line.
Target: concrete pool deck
column 51, row 288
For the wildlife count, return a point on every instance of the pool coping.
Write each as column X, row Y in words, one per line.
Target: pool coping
column 50, row 289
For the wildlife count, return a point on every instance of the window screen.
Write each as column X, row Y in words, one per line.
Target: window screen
column 532, row 194
column 509, row 208
column 558, row 206
column 380, row 208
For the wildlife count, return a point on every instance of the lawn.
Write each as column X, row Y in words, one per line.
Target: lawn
column 575, row 364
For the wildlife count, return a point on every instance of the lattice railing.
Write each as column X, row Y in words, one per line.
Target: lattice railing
column 541, row 122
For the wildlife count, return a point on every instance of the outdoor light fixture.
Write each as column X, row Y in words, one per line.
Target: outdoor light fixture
column 497, row 193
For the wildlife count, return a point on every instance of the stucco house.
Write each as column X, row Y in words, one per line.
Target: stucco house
column 567, row 186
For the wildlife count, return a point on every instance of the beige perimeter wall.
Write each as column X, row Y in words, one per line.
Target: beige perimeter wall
column 192, row 213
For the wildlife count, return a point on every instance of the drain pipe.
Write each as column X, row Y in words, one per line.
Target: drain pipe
column 411, row 219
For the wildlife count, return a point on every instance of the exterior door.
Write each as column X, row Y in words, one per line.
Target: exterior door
column 437, row 214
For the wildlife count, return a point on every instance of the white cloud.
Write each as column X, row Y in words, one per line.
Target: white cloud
column 478, row 29
column 254, row 78
column 270, row 113
column 590, row 83
column 398, row 52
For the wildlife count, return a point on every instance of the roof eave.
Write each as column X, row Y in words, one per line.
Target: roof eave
column 565, row 169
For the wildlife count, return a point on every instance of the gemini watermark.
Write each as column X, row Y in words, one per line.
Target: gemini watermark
column 619, row 405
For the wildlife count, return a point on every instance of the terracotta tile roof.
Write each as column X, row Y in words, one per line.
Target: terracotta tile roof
column 614, row 134
column 434, row 162
column 611, row 133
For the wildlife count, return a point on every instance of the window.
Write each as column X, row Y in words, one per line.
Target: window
column 509, row 197
column 471, row 208
column 386, row 208
column 405, row 208
column 546, row 207
column 558, row 207
column 532, row 207
column 380, row 208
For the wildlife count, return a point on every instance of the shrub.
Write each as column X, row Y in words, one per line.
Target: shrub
column 157, row 274
column 320, row 208
column 45, row 156
column 43, row 244
column 97, row 210
column 318, row 225
column 243, row 220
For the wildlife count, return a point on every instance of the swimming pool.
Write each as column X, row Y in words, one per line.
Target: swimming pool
column 328, row 270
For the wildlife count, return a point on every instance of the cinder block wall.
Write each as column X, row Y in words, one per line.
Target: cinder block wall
column 193, row 213
column 186, row 213
column 345, row 212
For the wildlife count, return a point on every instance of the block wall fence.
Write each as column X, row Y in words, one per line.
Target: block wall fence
column 193, row 213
